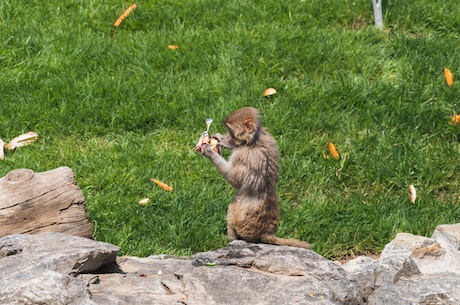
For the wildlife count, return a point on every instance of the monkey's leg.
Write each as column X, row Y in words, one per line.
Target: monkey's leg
column 231, row 219
column 231, row 234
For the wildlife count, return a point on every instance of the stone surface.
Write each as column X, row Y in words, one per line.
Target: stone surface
column 53, row 268
column 40, row 269
column 303, row 270
column 413, row 270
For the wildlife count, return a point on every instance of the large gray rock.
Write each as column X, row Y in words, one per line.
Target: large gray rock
column 241, row 273
column 41, row 269
column 61, row 269
column 413, row 270
column 53, row 268
column 287, row 276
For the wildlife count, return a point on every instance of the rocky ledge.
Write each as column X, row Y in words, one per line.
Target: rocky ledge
column 53, row 268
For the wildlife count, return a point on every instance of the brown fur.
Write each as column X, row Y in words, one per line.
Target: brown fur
column 253, row 170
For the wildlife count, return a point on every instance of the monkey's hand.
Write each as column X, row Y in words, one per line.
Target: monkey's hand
column 222, row 140
column 208, row 151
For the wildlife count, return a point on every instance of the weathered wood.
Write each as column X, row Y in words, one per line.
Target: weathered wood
column 42, row 202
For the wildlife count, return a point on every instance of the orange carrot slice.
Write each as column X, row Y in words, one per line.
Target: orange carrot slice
column 125, row 14
column 455, row 120
column 449, row 77
column 333, row 150
column 173, row 47
column 162, row 185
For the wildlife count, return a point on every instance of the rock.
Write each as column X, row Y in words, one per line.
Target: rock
column 303, row 270
column 241, row 273
column 45, row 287
column 448, row 237
column 420, row 290
column 54, row 251
column 413, row 270
column 364, row 269
column 40, row 269
column 54, row 268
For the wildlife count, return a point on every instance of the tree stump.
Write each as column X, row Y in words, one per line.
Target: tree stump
column 42, row 202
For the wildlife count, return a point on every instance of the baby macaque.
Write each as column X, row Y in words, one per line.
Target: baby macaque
column 253, row 170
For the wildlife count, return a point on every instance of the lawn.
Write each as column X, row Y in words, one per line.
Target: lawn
column 119, row 107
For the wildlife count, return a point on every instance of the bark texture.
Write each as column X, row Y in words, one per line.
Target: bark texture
column 42, row 202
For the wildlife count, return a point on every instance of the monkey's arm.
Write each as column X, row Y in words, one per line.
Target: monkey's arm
column 222, row 165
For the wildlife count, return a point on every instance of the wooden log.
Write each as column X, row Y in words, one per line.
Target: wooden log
column 42, row 202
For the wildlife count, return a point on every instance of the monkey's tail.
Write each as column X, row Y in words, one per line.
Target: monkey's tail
column 272, row 239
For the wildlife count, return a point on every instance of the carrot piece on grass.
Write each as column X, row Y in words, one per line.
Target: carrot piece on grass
column 333, row 150
column 449, row 77
column 455, row 120
column 125, row 14
column 162, row 185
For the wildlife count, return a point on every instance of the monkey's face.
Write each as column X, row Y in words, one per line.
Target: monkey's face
column 242, row 126
column 239, row 135
column 230, row 137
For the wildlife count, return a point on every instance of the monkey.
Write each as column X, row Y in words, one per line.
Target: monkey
column 253, row 170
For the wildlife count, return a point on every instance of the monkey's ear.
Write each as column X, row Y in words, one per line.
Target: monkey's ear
column 249, row 125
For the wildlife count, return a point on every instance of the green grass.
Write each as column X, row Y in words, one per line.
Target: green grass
column 119, row 108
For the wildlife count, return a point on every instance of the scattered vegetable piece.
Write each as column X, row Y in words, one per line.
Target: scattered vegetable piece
column 269, row 91
column 455, row 120
column 2, row 150
column 144, row 201
column 22, row 140
column 413, row 193
column 125, row 14
column 333, row 150
column 449, row 77
column 162, row 185
column 19, row 141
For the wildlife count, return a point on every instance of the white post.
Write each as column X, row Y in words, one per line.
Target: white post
column 378, row 17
